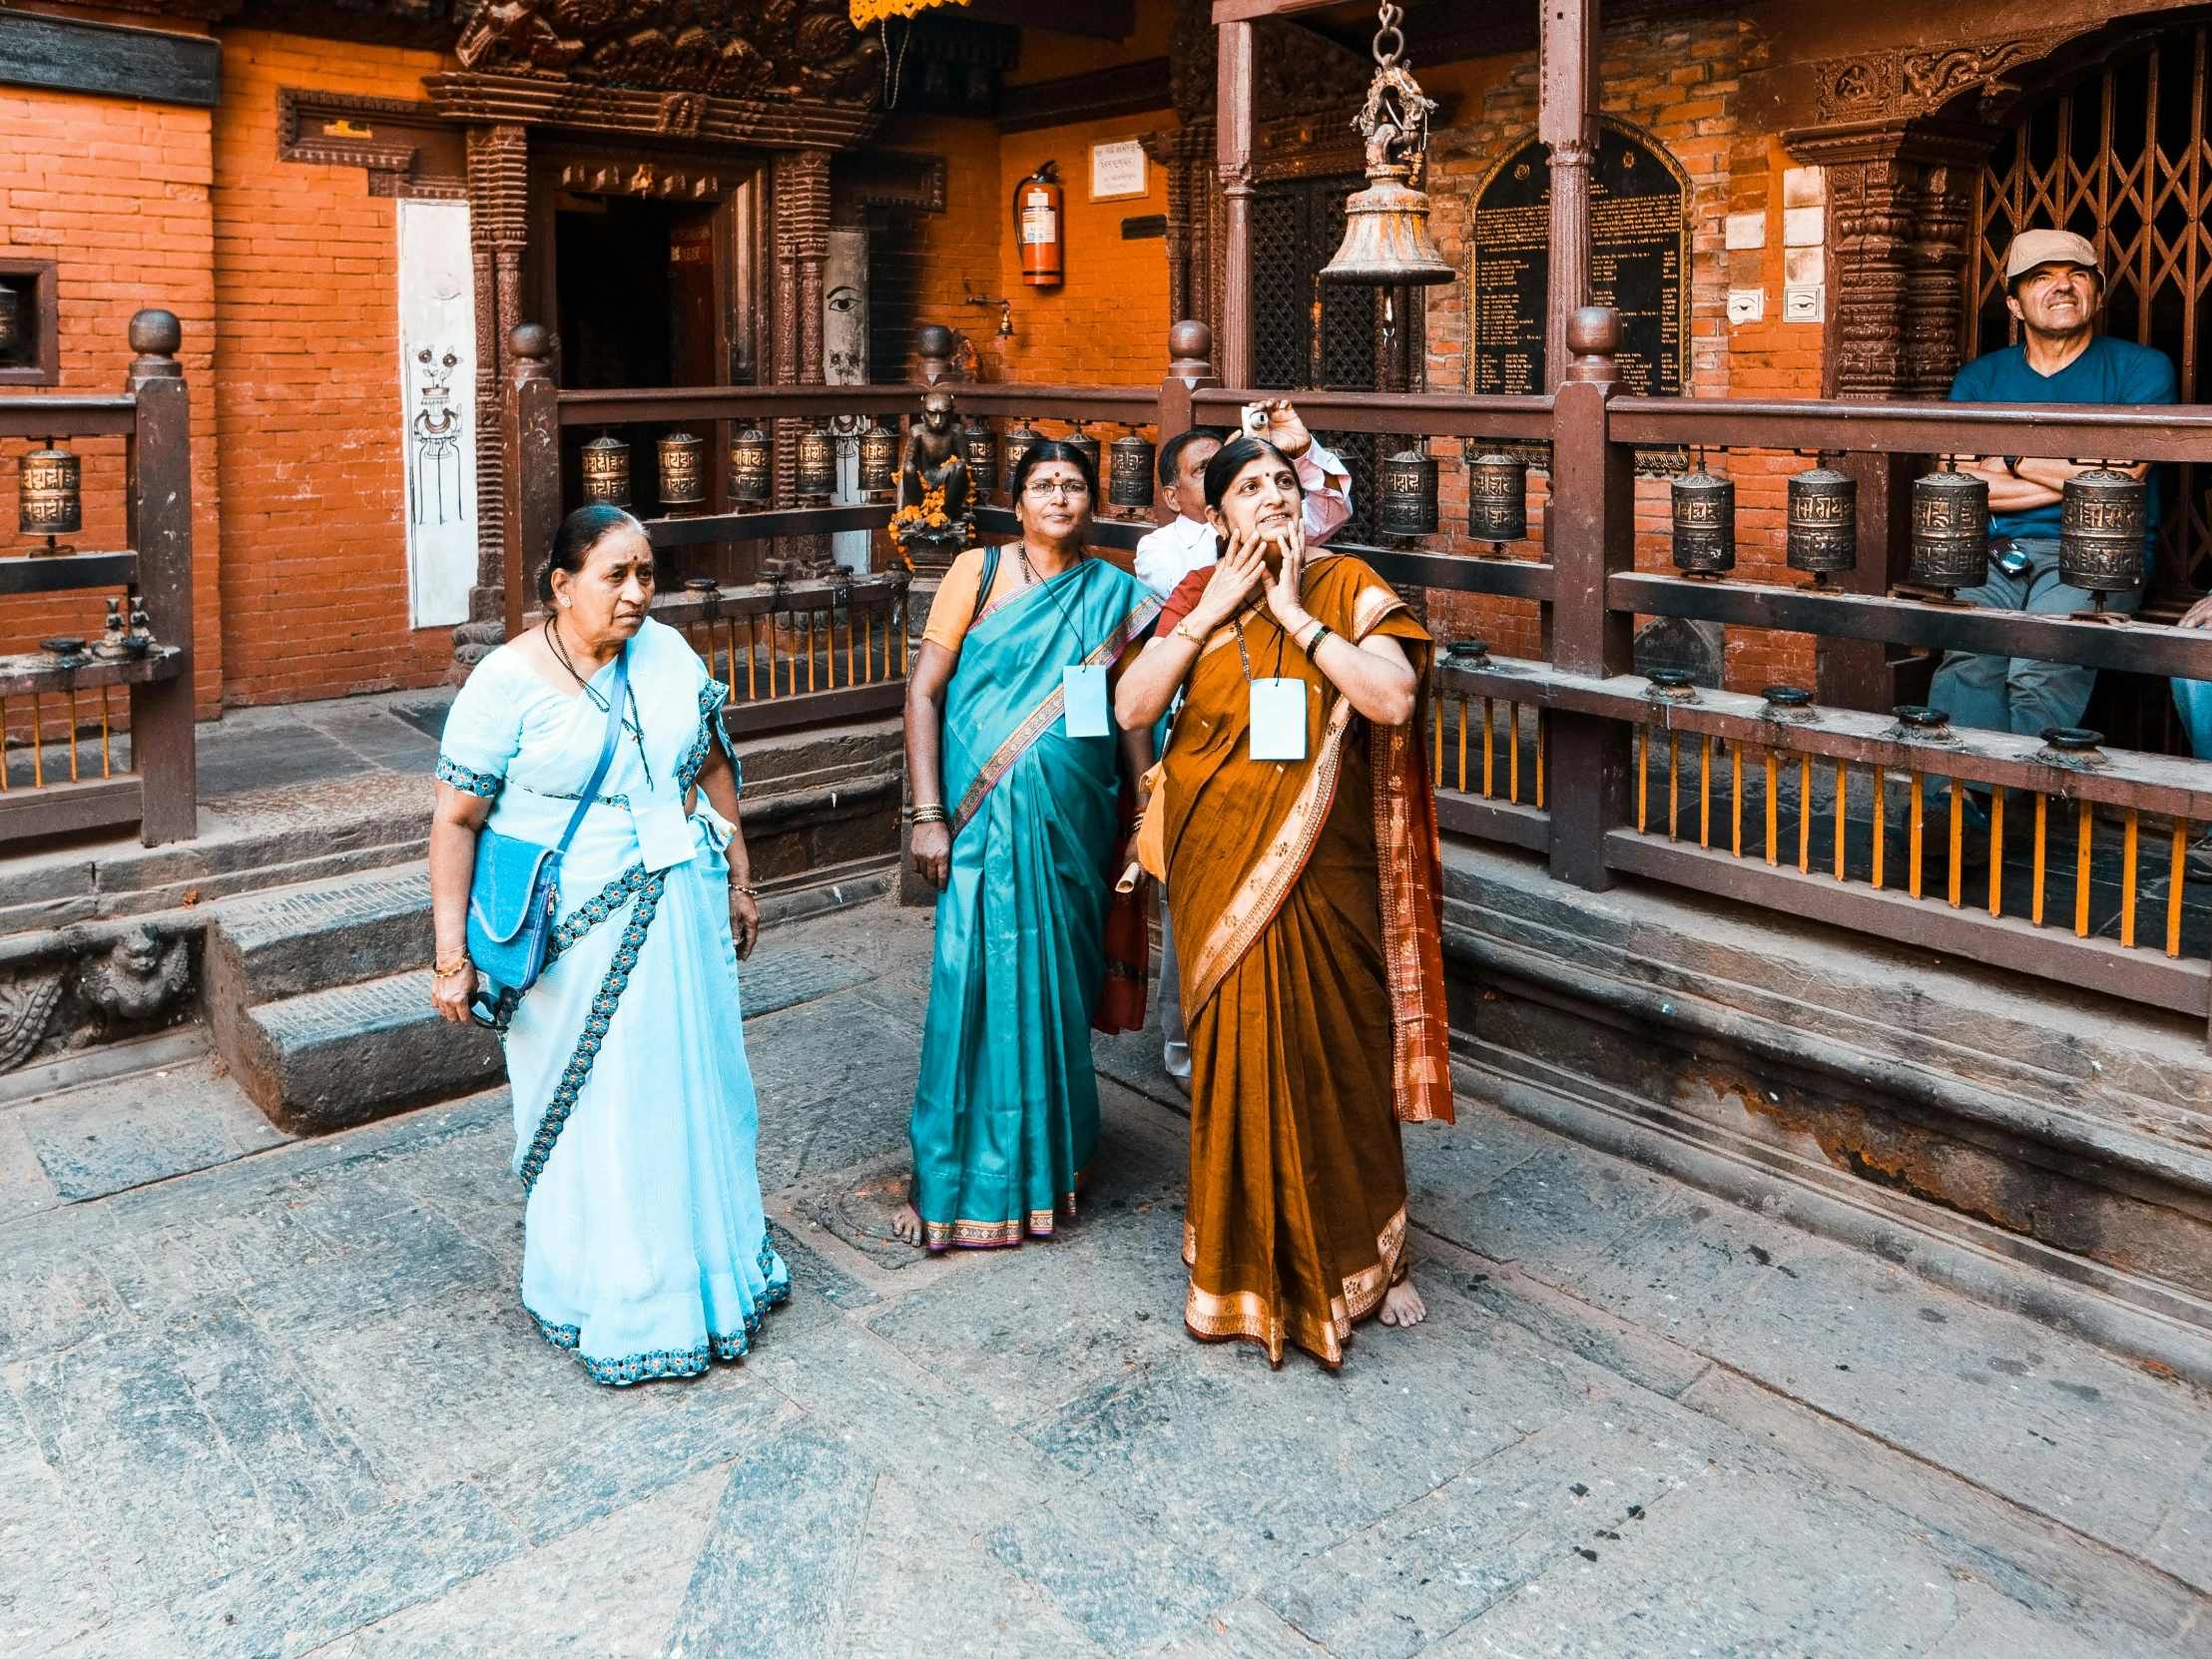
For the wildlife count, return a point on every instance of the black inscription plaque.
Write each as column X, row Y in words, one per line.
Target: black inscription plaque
column 1639, row 253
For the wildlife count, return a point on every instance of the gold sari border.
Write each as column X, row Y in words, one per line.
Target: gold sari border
column 1252, row 1316
column 996, row 1235
column 1040, row 719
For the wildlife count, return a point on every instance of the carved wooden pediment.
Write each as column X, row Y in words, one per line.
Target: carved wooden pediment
column 726, row 48
column 1296, row 72
column 1914, row 82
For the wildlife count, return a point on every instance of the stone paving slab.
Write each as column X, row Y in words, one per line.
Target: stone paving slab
column 288, row 1405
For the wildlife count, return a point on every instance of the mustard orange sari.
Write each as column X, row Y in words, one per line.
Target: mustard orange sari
column 1306, row 898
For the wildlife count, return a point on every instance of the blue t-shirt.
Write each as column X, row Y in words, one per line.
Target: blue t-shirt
column 2108, row 371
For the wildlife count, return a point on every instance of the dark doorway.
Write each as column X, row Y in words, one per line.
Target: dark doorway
column 634, row 281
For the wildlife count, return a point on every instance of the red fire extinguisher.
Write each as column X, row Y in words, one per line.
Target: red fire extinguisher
column 1038, row 222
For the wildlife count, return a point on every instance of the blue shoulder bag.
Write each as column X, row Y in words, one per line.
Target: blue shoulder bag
column 516, row 890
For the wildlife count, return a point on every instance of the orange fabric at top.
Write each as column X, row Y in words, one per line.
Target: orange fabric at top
column 1305, row 906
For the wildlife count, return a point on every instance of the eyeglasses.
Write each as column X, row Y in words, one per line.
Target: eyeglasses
column 1044, row 488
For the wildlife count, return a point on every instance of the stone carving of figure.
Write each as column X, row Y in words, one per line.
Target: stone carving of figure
column 932, row 525
column 138, row 977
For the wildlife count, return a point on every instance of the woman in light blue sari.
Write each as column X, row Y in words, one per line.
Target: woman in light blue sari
column 1019, row 809
column 644, row 1250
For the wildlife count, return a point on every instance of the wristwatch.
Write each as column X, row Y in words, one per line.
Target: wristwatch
column 2013, row 465
column 1184, row 631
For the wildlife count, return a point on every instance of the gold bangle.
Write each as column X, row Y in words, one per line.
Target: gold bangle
column 749, row 892
column 446, row 970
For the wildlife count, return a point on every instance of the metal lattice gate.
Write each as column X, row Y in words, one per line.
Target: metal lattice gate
column 2124, row 158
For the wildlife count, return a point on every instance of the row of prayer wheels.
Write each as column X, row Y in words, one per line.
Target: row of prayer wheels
column 2104, row 520
column 2104, row 524
column 989, row 456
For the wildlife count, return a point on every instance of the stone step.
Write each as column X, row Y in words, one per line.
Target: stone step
column 290, row 940
column 349, row 1053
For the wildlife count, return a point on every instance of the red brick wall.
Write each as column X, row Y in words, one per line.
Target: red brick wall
column 1678, row 81
column 116, row 193
column 1107, row 322
column 314, row 579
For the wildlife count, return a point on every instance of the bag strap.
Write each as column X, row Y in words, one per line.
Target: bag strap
column 983, row 587
column 606, row 749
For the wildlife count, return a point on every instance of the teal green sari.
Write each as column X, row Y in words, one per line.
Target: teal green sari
column 1006, row 1113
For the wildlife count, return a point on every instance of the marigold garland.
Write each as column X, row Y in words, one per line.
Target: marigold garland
column 866, row 12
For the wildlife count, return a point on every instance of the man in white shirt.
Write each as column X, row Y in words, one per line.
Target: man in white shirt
column 1187, row 543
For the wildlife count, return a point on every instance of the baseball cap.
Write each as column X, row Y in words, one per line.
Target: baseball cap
column 2033, row 248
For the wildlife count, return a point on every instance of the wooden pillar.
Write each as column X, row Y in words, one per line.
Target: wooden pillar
column 1566, row 121
column 498, row 203
column 1589, row 532
column 159, row 507
column 800, row 217
column 530, row 431
column 1234, row 117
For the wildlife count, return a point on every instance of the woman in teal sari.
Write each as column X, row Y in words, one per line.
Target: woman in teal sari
column 1019, row 813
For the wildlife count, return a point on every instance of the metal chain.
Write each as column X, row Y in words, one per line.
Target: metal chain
column 1389, row 17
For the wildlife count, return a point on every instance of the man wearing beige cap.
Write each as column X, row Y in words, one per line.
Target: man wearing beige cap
column 2053, row 284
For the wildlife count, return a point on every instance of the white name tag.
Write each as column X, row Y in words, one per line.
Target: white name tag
column 1278, row 720
column 663, row 833
column 1083, row 689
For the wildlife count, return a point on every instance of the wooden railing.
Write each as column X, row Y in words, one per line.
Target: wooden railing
column 2076, row 870
column 88, row 742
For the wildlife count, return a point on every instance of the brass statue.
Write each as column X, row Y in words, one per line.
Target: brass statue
column 930, row 526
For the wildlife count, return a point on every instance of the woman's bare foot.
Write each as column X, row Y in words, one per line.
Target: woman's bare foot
column 1403, row 1306
column 907, row 1224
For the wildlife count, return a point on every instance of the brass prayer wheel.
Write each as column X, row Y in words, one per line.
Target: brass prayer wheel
column 11, row 320
column 1017, row 442
column 49, row 493
column 1405, row 493
column 751, row 469
column 1129, row 472
column 878, row 459
column 2103, row 521
column 1497, row 498
column 817, row 463
column 1822, row 522
column 607, row 471
column 1950, row 530
column 979, row 449
column 1704, row 522
column 1080, row 439
column 682, row 458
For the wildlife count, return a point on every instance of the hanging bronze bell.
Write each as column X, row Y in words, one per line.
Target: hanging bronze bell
column 683, row 457
column 1082, row 441
column 1386, row 224
column 1823, row 523
column 1405, row 493
column 1950, row 530
column 817, row 463
column 1703, row 523
column 979, row 449
column 878, row 459
column 751, row 469
column 1129, row 472
column 2103, row 522
column 607, row 471
column 1017, row 442
column 1498, row 499
column 49, row 493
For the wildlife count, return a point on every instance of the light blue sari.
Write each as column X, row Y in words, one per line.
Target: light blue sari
column 645, row 1249
column 1005, row 1116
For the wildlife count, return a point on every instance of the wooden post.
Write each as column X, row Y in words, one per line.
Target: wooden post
column 159, row 508
column 1233, row 117
column 1591, row 532
column 1189, row 347
column 533, row 475
column 1566, row 121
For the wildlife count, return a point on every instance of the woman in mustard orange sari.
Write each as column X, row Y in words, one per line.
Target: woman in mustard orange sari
column 1300, row 848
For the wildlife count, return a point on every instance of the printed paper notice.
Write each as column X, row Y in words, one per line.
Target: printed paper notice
column 1118, row 170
